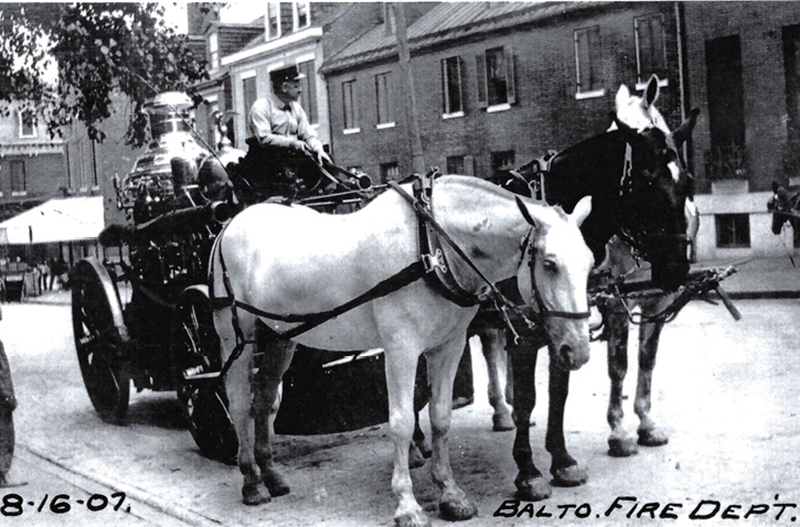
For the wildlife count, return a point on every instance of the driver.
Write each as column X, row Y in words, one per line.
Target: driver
column 284, row 150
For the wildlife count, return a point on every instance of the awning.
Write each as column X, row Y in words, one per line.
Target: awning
column 57, row 220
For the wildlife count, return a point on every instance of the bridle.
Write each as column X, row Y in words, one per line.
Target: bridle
column 543, row 311
column 642, row 239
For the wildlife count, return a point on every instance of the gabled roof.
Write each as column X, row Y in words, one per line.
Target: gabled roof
column 447, row 22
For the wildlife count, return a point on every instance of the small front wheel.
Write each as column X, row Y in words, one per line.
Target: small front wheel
column 196, row 349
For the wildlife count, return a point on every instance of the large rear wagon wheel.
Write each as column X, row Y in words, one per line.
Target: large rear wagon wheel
column 101, row 340
column 196, row 349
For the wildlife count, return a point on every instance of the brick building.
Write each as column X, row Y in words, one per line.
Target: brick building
column 743, row 72
column 241, row 56
column 498, row 83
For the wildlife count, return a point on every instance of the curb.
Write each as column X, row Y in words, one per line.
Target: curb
column 79, row 479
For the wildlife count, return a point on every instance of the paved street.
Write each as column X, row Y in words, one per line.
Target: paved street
column 723, row 390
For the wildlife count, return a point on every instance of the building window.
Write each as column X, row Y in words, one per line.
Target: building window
column 791, row 61
column 249, row 94
column 309, row 86
column 383, row 95
column 733, row 230
column 651, row 48
column 272, row 21
column 502, row 162
column 725, row 96
column 19, row 182
column 349, row 106
column 27, row 128
column 455, row 165
column 496, row 77
column 451, row 86
column 213, row 50
column 302, row 15
column 587, row 61
column 389, row 172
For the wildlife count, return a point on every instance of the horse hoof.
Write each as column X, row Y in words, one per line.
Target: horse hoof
column 276, row 485
column 455, row 509
column 412, row 520
column 571, row 476
column 502, row 423
column 622, row 447
column 533, row 489
column 254, row 495
column 652, row 438
column 416, row 459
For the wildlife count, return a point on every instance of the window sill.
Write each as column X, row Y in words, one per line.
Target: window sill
column 590, row 94
column 384, row 126
column 498, row 108
column 349, row 131
column 22, row 136
column 662, row 83
column 454, row 115
column 19, row 192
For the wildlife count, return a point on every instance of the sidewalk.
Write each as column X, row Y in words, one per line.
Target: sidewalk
column 760, row 278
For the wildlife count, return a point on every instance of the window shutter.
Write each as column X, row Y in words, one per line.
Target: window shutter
column 469, row 165
column 443, row 165
column 511, row 90
column 480, row 64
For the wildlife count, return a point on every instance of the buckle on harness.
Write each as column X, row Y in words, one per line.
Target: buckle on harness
column 432, row 261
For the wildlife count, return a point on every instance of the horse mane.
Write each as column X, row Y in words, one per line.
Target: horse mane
column 499, row 191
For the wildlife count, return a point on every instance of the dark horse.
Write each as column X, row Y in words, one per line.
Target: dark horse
column 639, row 186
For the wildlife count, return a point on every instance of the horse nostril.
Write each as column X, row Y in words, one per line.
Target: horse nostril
column 566, row 351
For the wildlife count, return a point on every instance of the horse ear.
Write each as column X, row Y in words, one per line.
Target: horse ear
column 651, row 92
column 525, row 212
column 623, row 96
column 684, row 131
column 582, row 210
column 775, row 186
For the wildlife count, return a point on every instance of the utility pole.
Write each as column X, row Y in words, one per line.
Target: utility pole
column 407, row 83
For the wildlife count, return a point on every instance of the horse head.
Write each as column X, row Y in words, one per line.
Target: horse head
column 552, row 279
column 656, row 188
column 783, row 205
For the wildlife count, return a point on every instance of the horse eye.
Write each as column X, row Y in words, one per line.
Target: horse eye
column 550, row 266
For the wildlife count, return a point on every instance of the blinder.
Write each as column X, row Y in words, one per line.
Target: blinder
column 542, row 311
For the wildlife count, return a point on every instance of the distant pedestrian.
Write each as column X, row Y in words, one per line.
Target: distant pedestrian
column 44, row 273
column 7, row 405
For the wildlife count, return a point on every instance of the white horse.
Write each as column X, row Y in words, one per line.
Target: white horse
column 275, row 259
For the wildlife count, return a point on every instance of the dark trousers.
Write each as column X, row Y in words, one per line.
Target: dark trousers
column 7, row 404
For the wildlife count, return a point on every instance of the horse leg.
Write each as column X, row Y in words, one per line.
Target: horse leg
column 400, row 374
column 240, row 402
column 442, row 365
column 419, row 450
column 493, row 347
column 531, row 485
column 274, row 363
column 564, row 468
column 617, row 327
column 649, row 434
